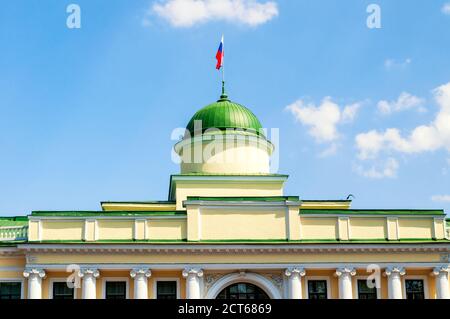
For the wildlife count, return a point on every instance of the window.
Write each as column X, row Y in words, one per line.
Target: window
column 10, row 290
column 317, row 289
column 62, row 291
column 166, row 290
column 414, row 289
column 364, row 292
column 115, row 290
column 242, row 291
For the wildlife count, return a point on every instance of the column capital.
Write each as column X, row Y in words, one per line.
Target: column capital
column 345, row 271
column 441, row 269
column 394, row 270
column 88, row 272
column 34, row 272
column 137, row 272
column 295, row 271
column 192, row 272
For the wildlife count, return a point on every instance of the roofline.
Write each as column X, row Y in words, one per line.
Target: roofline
column 224, row 177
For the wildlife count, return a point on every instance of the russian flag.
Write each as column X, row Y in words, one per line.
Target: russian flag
column 219, row 55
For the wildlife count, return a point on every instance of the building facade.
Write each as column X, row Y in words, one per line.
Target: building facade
column 228, row 231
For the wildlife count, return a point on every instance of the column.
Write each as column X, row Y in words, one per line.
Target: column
column 34, row 276
column 295, row 275
column 442, row 288
column 192, row 276
column 140, row 276
column 345, row 282
column 394, row 274
column 89, row 288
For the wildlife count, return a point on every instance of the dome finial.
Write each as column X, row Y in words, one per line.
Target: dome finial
column 224, row 96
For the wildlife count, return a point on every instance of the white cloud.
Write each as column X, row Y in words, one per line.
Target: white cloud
column 440, row 198
column 390, row 64
column 446, row 8
column 322, row 120
column 424, row 138
column 405, row 101
column 387, row 169
column 329, row 151
column 187, row 13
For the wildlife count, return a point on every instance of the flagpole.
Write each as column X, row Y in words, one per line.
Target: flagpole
column 223, row 65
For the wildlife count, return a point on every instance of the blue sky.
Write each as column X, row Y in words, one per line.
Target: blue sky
column 82, row 111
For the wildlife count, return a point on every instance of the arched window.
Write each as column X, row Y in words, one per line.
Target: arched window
column 242, row 290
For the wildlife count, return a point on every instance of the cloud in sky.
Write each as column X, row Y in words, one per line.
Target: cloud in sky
column 424, row 138
column 187, row 13
column 440, row 198
column 386, row 169
column 404, row 102
column 446, row 8
column 322, row 120
column 391, row 64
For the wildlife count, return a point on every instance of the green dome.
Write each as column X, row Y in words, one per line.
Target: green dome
column 225, row 114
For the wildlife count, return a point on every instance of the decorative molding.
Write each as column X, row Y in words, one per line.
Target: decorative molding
column 345, row 271
column 137, row 272
column 236, row 248
column 86, row 272
column 394, row 270
column 276, row 279
column 440, row 270
column 295, row 270
column 210, row 279
column 192, row 272
column 34, row 272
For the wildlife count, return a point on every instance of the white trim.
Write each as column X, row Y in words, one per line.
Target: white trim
column 74, row 218
column 155, row 282
column 419, row 277
column 22, row 284
column 115, row 279
column 311, row 278
column 262, row 282
column 355, row 286
column 240, row 248
column 237, row 266
column 59, row 279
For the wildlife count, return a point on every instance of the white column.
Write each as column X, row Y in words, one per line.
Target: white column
column 192, row 276
column 34, row 276
column 89, row 287
column 295, row 275
column 140, row 276
column 345, row 282
column 394, row 274
column 442, row 285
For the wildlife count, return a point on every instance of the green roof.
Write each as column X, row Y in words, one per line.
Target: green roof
column 372, row 212
column 107, row 213
column 225, row 114
column 13, row 221
column 250, row 199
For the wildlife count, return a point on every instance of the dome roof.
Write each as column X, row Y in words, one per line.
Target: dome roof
column 225, row 114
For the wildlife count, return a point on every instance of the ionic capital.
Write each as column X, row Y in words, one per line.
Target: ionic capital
column 34, row 272
column 295, row 271
column 192, row 272
column 140, row 272
column 394, row 270
column 443, row 269
column 88, row 272
column 345, row 271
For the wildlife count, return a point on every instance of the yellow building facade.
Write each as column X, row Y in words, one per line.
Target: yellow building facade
column 227, row 230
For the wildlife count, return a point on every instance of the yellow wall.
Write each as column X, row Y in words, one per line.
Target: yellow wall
column 115, row 229
column 318, row 228
column 246, row 224
column 415, row 228
column 166, row 229
column 368, row 228
column 62, row 230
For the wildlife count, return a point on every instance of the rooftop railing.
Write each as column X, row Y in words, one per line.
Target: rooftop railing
column 12, row 233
